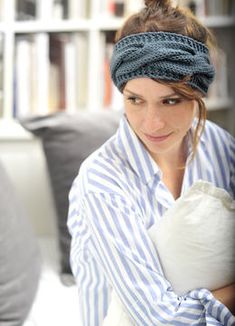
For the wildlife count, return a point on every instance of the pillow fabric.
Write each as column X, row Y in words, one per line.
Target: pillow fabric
column 67, row 140
column 195, row 243
column 196, row 239
column 19, row 258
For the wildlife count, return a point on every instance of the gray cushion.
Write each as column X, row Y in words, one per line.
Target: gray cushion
column 19, row 257
column 67, row 140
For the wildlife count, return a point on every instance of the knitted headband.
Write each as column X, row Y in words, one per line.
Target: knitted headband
column 164, row 56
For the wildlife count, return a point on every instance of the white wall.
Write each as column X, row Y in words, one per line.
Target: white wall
column 26, row 165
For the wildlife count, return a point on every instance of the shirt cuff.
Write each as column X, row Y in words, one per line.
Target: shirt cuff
column 213, row 307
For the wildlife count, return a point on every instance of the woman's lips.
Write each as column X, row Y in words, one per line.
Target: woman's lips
column 157, row 138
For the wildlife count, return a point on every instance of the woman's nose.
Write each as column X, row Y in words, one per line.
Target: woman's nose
column 153, row 120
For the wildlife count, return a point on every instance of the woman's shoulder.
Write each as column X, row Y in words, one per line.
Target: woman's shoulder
column 103, row 170
column 105, row 156
column 218, row 146
column 215, row 133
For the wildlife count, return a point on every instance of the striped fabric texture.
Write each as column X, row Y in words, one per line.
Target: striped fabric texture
column 117, row 195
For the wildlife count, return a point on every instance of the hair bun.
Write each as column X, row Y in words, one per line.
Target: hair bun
column 155, row 4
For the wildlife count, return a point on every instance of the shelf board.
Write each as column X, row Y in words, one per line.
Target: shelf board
column 214, row 104
column 102, row 22
column 3, row 27
column 83, row 25
column 106, row 23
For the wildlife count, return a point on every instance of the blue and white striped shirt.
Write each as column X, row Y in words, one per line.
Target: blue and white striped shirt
column 116, row 197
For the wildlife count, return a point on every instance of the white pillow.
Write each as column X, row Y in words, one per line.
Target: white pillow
column 195, row 242
column 195, row 239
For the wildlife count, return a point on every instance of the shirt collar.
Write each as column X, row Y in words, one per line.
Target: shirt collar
column 135, row 153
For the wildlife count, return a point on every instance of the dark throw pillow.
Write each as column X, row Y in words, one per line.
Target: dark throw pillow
column 67, row 140
column 19, row 257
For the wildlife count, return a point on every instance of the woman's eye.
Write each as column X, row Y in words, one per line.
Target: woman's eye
column 172, row 101
column 134, row 100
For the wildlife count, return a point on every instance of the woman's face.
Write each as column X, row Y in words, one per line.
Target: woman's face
column 159, row 116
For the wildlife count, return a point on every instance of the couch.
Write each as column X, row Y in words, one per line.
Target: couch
column 40, row 168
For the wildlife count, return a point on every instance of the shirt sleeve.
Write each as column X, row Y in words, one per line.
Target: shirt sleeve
column 123, row 248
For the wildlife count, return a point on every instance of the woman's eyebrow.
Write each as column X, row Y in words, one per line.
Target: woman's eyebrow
column 132, row 93
column 162, row 97
column 170, row 95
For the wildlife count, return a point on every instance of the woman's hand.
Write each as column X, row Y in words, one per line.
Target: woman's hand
column 226, row 295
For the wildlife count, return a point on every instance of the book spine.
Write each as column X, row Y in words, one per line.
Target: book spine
column 41, row 70
column 70, row 75
column 112, row 98
column 22, row 83
column 81, row 44
column 77, row 9
column 26, row 9
column 57, row 94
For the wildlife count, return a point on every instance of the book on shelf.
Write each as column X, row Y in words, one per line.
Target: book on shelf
column 55, row 77
column 76, row 71
column 31, row 79
column 68, row 9
column 113, row 8
column 24, row 87
column 209, row 7
column 56, row 100
column 80, row 41
column 107, row 94
column 106, row 8
column 119, row 8
column 60, row 9
column 68, row 66
column 78, row 9
column 53, row 9
column 70, row 75
column 41, row 72
column 112, row 98
column 26, row 9
column 44, row 10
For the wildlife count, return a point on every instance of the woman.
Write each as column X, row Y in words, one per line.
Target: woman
column 163, row 145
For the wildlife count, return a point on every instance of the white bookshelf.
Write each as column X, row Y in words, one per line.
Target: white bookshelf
column 93, row 26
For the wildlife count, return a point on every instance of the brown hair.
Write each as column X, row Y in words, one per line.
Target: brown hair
column 161, row 15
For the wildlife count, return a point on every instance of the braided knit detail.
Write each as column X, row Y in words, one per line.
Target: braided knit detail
column 164, row 56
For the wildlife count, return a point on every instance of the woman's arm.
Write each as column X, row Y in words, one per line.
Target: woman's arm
column 126, row 253
column 226, row 295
